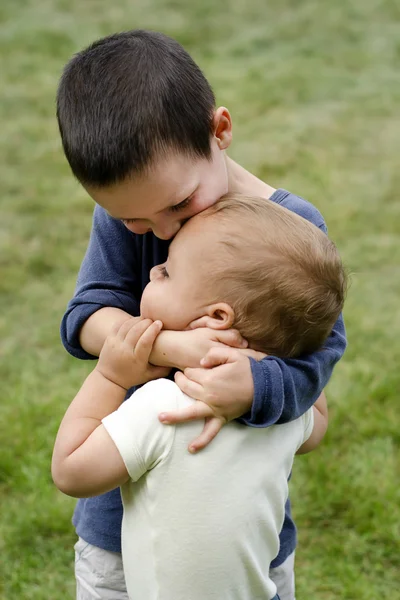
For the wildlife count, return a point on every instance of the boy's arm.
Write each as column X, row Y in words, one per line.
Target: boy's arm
column 108, row 293
column 86, row 460
column 259, row 393
column 265, row 392
column 95, row 330
column 284, row 389
column 107, row 289
column 320, row 410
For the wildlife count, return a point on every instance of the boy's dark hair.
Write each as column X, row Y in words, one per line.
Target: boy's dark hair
column 125, row 100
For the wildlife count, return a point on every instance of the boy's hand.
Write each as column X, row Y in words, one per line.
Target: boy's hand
column 124, row 358
column 224, row 390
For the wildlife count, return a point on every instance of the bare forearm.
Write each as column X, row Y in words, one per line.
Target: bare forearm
column 85, row 461
column 168, row 351
column 98, row 326
column 321, row 419
column 97, row 398
column 182, row 349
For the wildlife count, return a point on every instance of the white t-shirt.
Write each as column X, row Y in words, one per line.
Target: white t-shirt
column 203, row 526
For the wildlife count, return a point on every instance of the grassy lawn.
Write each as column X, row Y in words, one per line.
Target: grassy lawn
column 314, row 91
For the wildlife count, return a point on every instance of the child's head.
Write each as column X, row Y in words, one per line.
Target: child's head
column 141, row 131
column 251, row 264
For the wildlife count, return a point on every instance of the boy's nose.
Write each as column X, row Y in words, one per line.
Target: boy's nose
column 138, row 228
column 166, row 231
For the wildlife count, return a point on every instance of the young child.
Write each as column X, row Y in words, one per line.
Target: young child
column 141, row 132
column 205, row 526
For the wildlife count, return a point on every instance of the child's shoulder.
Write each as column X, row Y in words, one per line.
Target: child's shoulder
column 159, row 394
column 298, row 205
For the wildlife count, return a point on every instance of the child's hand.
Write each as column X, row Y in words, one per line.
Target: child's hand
column 224, row 390
column 124, row 359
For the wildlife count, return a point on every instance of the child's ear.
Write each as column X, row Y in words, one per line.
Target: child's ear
column 219, row 316
column 222, row 127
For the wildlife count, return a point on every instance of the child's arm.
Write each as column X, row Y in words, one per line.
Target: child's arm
column 86, row 461
column 320, row 410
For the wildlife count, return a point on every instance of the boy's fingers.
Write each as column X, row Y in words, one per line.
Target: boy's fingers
column 218, row 356
column 212, row 427
column 188, row 386
column 254, row 354
column 197, row 410
column 145, row 343
column 198, row 323
column 231, row 337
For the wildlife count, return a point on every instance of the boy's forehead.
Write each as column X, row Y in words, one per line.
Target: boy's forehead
column 143, row 197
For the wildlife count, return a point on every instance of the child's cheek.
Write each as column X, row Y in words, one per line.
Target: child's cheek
column 153, row 302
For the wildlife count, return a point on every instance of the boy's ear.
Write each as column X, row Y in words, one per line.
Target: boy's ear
column 219, row 316
column 222, row 127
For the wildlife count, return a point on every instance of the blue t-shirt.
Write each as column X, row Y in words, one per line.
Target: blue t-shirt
column 114, row 273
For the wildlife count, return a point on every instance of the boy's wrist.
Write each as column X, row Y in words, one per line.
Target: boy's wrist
column 167, row 351
column 99, row 325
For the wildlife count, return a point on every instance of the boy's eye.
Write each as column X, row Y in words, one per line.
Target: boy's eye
column 180, row 206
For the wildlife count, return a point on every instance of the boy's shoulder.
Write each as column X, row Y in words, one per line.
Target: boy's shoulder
column 300, row 206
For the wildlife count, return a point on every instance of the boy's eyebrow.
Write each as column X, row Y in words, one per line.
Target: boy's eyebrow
column 171, row 202
column 122, row 218
column 188, row 192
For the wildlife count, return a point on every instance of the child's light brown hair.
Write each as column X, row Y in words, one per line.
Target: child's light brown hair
column 284, row 277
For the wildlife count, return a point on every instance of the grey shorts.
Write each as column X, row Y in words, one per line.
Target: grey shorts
column 100, row 575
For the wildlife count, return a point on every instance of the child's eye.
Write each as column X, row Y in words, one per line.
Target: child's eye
column 180, row 206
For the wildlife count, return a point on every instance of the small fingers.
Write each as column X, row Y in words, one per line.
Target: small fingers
column 134, row 328
column 120, row 329
column 198, row 323
column 145, row 342
column 232, row 337
column 197, row 410
column 254, row 354
column 211, row 428
column 218, row 356
column 191, row 388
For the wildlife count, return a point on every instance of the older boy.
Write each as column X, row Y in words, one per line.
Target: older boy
column 141, row 132
column 205, row 527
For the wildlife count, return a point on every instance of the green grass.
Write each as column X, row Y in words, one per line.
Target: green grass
column 314, row 91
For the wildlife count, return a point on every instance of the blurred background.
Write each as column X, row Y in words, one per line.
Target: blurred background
column 314, row 90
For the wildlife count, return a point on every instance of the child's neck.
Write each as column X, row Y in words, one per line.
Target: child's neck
column 243, row 182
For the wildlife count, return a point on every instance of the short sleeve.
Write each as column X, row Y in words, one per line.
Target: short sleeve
column 135, row 429
column 308, row 425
